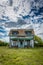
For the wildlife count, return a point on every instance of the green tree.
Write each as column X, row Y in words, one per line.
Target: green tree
column 38, row 39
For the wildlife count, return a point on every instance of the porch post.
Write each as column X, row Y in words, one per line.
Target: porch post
column 24, row 43
column 32, row 43
column 18, row 43
column 9, row 42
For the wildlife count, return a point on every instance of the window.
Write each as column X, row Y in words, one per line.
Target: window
column 28, row 32
column 15, row 32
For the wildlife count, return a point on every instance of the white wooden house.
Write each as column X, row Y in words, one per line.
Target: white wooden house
column 21, row 38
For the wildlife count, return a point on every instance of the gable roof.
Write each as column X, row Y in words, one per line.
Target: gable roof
column 20, row 30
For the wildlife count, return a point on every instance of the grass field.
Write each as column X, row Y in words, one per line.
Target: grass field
column 12, row 56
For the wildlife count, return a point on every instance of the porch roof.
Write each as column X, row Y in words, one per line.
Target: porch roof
column 21, row 38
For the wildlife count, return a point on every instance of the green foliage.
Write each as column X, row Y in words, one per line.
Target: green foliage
column 38, row 40
column 3, row 43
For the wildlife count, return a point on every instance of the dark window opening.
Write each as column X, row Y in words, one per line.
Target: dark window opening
column 28, row 32
column 15, row 32
column 21, row 42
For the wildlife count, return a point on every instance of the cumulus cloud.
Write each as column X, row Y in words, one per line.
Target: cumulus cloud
column 21, row 14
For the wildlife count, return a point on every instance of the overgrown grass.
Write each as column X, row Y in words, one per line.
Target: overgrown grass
column 12, row 56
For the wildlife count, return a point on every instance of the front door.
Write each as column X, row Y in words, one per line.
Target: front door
column 21, row 44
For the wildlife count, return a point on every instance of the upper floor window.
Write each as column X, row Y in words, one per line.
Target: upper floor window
column 28, row 32
column 15, row 32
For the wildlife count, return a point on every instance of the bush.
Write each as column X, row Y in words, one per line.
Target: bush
column 38, row 45
column 3, row 43
column 39, row 41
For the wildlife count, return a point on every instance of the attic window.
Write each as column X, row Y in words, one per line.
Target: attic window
column 15, row 32
column 28, row 32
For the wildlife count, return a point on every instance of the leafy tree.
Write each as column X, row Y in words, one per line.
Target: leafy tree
column 38, row 40
column 2, row 43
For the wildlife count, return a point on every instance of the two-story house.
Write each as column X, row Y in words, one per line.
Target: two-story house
column 21, row 38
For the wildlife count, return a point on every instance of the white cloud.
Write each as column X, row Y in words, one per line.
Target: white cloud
column 5, row 39
column 20, row 7
column 23, row 9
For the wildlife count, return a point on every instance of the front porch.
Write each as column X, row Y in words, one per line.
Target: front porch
column 22, row 43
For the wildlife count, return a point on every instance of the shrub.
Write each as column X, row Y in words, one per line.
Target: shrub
column 38, row 41
column 3, row 43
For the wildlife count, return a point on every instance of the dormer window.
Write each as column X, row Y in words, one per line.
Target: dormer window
column 28, row 32
column 15, row 32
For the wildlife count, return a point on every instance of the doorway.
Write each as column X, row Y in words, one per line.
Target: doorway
column 21, row 44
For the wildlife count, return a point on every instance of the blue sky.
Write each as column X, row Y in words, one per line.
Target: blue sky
column 21, row 14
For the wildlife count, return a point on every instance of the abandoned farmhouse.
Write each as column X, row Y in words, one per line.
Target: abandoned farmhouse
column 21, row 38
